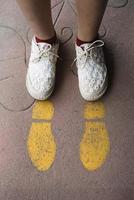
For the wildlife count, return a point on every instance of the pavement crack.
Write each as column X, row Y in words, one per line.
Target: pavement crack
column 6, row 78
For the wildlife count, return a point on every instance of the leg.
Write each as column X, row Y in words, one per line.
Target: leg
column 44, row 48
column 38, row 14
column 90, row 13
column 92, row 70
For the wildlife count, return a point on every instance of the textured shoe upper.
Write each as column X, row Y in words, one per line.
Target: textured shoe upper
column 92, row 71
column 41, row 70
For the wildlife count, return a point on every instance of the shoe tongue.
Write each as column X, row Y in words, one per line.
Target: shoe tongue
column 85, row 46
column 44, row 46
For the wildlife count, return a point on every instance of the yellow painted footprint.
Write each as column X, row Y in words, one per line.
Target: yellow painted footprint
column 41, row 144
column 95, row 144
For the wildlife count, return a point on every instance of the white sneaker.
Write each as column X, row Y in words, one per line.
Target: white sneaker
column 92, row 70
column 41, row 71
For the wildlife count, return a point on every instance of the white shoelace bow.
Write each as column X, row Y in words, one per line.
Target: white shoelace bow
column 87, row 51
column 46, row 53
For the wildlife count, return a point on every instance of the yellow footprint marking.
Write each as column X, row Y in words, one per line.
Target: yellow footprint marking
column 94, row 110
column 95, row 144
column 43, row 110
column 41, row 144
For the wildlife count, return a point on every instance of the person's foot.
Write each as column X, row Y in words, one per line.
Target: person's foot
column 40, row 77
column 92, row 70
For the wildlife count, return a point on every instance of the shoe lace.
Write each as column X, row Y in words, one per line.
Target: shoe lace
column 45, row 54
column 88, row 53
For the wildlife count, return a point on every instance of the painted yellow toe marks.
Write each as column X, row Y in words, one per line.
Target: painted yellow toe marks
column 95, row 144
column 41, row 144
column 94, row 110
column 43, row 110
